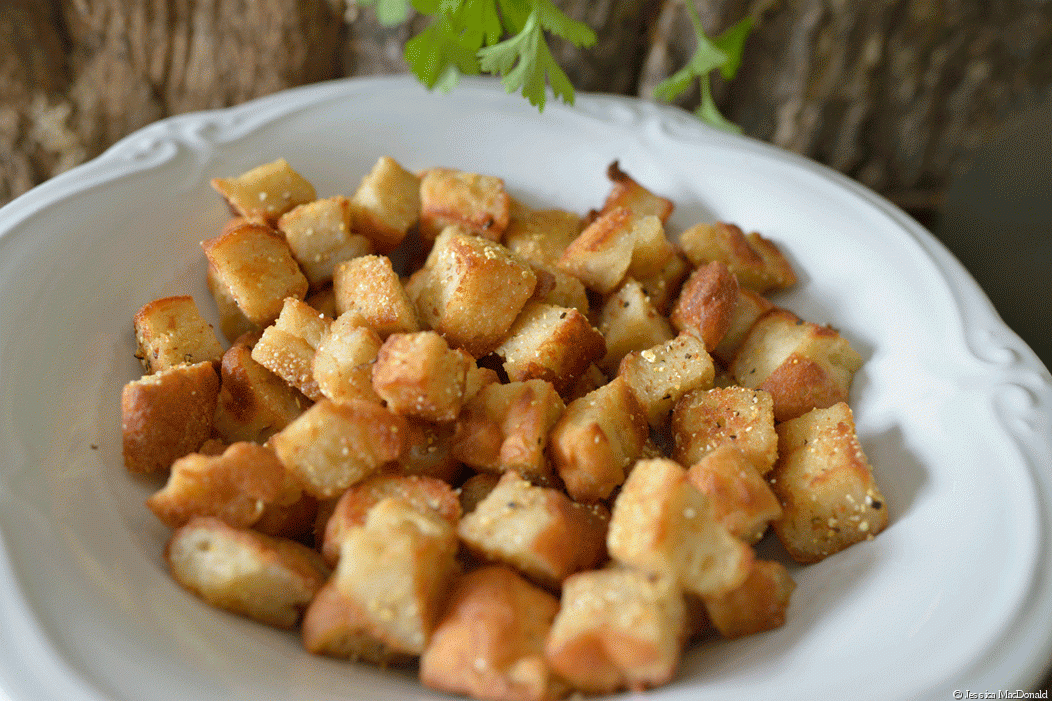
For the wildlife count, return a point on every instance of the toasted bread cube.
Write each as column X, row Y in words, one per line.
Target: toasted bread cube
column 704, row 420
column 740, row 496
column 320, row 236
column 386, row 204
column 476, row 488
column 490, row 641
column 343, row 363
column 287, row 347
column 267, row 579
column 171, row 332
column 617, row 244
column 537, row 530
column 629, row 322
column 660, row 376
column 749, row 307
column 754, row 260
column 617, row 628
column 167, row 415
column 265, row 192
column 541, row 236
column 706, row 303
column 476, row 378
column 232, row 322
column 235, row 487
column 663, row 525
column 758, row 604
column 294, row 519
column 825, row 483
column 506, row 426
column 428, row 451
column 663, row 287
column 550, row 343
column 590, row 380
column 332, row 446
column 417, row 374
column 803, row 365
column 559, row 289
column 254, row 403
column 323, row 300
column 479, row 203
column 392, row 580
column 255, row 265
column 370, row 287
column 457, row 295
column 627, row 193
column 423, row 493
column 597, row 439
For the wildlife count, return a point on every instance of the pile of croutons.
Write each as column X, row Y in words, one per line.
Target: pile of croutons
column 528, row 451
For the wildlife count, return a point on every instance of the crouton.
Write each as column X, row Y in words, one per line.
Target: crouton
column 615, row 629
column 741, row 498
column 386, row 204
column 255, row 266
column 550, row 343
column 265, row 192
column 323, row 300
column 749, row 307
column 506, row 426
column 661, row 375
column 167, row 415
column 537, row 530
column 254, row 403
column 829, row 498
column 758, row 604
column 342, row 366
column 428, row 451
column 389, row 588
column 663, row 287
column 616, row 244
column 232, row 322
column 417, row 374
column 706, row 303
column 597, row 439
column 803, row 365
column 661, row 524
column 479, row 203
column 369, row 286
column 332, row 446
column 489, row 643
column 287, row 347
column 319, row 235
column 591, row 379
column 754, row 260
column 629, row 322
column 703, row 420
column 171, row 331
column 541, row 236
column 627, row 193
column 476, row 488
column 268, row 579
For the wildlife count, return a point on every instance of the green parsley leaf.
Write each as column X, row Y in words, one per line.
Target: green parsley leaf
column 438, row 57
column 389, row 12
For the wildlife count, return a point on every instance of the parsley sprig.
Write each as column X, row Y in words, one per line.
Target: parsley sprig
column 467, row 37
column 723, row 53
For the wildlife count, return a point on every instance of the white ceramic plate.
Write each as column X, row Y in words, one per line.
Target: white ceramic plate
column 953, row 410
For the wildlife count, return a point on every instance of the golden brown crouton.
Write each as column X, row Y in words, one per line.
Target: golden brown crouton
column 232, row 322
column 663, row 287
column 267, row 579
column 537, row 530
column 803, row 365
column 254, row 403
column 369, row 287
column 428, row 451
column 235, row 487
column 749, row 307
column 541, row 236
column 706, row 304
column 741, row 498
column 343, row 363
column 824, row 481
column 391, row 583
column 476, row 488
column 629, row 322
column 265, row 192
column 661, row 375
column 663, row 525
column 319, row 236
column 417, row 374
column 423, row 493
column 166, row 415
column 550, row 343
column 591, row 379
column 458, row 293
column 617, row 628
column 505, row 427
column 479, row 203
column 323, row 300
column 287, row 346
column 490, row 641
column 704, row 420
column 171, row 332
column 255, row 266
column 597, row 439
column 332, row 446
column 386, row 204
column 627, row 193
column 758, row 604
column 754, row 260
column 616, row 244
